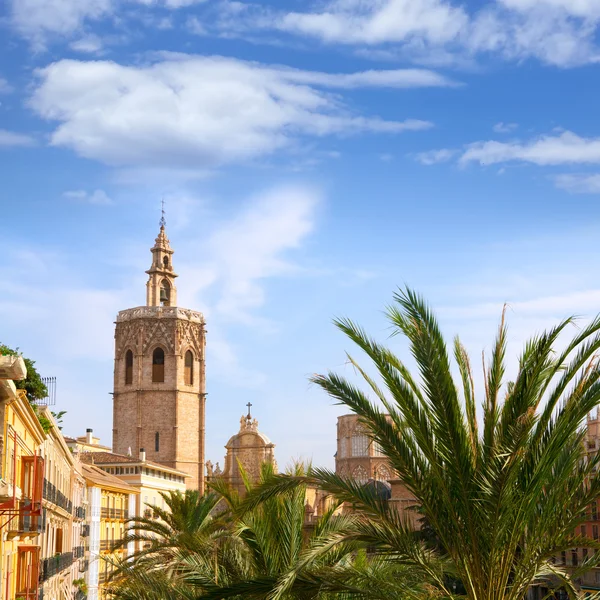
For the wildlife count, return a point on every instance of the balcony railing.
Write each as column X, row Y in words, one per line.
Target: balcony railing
column 110, row 545
column 52, row 494
column 78, row 552
column 113, row 513
column 54, row 565
column 25, row 522
column 79, row 512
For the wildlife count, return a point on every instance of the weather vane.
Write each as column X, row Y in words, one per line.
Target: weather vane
column 163, row 221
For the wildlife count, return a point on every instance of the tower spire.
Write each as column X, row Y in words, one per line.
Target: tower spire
column 162, row 221
column 160, row 289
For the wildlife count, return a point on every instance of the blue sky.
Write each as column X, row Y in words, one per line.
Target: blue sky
column 313, row 156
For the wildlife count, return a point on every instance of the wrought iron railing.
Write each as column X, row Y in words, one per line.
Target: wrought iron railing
column 54, row 565
column 54, row 495
column 25, row 521
column 113, row 513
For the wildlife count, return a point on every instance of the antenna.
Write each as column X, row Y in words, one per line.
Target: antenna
column 163, row 221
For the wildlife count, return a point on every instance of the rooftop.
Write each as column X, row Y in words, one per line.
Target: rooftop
column 108, row 458
column 104, row 479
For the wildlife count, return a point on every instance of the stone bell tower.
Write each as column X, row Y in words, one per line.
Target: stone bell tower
column 159, row 378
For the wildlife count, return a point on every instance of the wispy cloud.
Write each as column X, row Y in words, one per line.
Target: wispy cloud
column 433, row 157
column 10, row 139
column 90, row 44
column 98, row 197
column 565, row 148
column 579, row 183
column 5, row 87
column 504, row 127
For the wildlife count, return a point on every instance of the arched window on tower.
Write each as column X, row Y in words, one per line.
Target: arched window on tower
column 129, row 367
column 188, row 373
column 165, row 293
column 156, row 441
column 158, row 365
column 166, row 262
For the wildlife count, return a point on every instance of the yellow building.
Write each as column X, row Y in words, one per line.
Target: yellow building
column 147, row 477
column 22, row 515
column 110, row 503
column 86, row 443
column 62, row 546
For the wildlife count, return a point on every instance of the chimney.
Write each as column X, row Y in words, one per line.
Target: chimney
column 142, row 455
column 88, row 436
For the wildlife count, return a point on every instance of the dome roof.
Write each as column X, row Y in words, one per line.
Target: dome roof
column 381, row 489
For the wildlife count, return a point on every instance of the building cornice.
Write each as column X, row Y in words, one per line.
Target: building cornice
column 162, row 312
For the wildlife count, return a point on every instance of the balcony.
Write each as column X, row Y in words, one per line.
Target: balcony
column 56, row 564
column 117, row 514
column 78, row 552
column 55, row 496
column 111, row 545
column 79, row 512
column 25, row 523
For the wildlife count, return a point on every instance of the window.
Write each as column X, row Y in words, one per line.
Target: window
column 165, row 293
column 583, row 532
column 595, row 531
column 377, row 450
column 574, row 557
column 158, row 365
column 360, row 474
column 156, row 442
column 563, row 556
column 166, row 262
column 129, row 367
column 383, row 473
column 28, row 568
column 188, row 374
column 360, row 444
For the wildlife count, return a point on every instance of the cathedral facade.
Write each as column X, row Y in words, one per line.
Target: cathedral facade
column 159, row 377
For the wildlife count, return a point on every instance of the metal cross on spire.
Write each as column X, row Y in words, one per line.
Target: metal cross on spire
column 249, row 405
column 163, row 221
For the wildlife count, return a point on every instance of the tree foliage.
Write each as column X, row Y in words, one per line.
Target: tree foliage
column 500, row 495
column 32, row 384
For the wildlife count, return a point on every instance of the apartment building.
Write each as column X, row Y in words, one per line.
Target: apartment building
column 63, row 552
column 22, row 515
column 111, row 502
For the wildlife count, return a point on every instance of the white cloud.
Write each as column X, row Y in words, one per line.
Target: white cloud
column 504, row 127
column 355, row 21
column 579, row 8
column 434, row 157
column 566, row 148
column 10, row 138
column 36, row 19
column 579, row 183
column 437, row 32
column 90, row 44
column 98, row 197
column 197, row 112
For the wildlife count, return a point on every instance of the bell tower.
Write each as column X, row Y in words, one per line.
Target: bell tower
column 159, row 377
column 160, row 289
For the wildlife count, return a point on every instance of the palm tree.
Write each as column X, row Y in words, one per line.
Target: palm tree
column 189, row 526
column 504, row 494
column 503, row 499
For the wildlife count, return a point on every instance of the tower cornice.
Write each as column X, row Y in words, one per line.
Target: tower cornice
column 164, row 312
